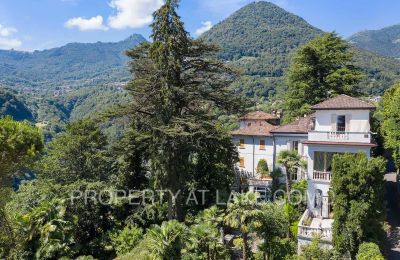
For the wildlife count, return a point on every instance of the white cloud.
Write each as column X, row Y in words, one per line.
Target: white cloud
column 205, row 27
column 133, row 13
column 94, row 23
column 5, row 41
column 6, row 31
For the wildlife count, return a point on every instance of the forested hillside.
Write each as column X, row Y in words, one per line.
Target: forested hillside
column 73, row 65
column 260, row 39
column 385, row 41
column 11, row 105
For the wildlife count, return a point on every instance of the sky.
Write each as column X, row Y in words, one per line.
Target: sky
column 42, row 24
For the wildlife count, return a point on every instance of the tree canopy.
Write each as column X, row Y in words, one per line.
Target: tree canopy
column 357, row 192
column 391, row 121
column 319, row 70
column 176, row 87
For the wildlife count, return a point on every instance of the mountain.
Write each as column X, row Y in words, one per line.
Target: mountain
column 385, row 41
column 11, row 105
column 63, row 68
column 261, row 37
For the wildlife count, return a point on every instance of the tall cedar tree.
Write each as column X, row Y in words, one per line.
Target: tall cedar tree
column 391, row 122
column 357, row 189
column 176, row 87
column 320, row 69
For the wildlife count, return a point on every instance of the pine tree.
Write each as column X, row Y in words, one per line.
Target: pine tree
column 176, row 88
column 320, row 69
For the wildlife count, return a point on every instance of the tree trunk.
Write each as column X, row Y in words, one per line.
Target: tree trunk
column 245, row 246
column 288, row 185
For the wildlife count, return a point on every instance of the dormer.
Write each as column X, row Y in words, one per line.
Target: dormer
column 342, row 119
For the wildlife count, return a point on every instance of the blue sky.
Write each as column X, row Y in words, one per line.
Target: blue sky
column 43, row 24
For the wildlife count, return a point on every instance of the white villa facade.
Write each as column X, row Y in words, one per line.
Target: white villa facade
column 339, row 125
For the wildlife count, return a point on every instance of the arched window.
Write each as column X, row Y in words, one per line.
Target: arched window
column 318, row 199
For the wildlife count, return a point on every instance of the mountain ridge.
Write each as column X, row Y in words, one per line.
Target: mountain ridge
column 74, row 64
column 384, row 41
column 242, row 32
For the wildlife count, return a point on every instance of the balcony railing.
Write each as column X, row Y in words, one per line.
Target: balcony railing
column 322, row 176
column 309, row 232
column 340, row 136
column 325, row 233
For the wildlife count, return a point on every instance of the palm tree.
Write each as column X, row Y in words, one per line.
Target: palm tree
column 163, row 242
column 203, row 242
column 243, row 214
column 291, row 160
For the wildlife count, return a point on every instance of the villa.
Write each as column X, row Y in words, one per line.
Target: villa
column 338, row 125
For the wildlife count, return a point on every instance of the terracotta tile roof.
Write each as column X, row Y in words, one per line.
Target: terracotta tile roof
column 258, row 115
column 300, row 126
column 343, row 102
column 259, row 129
column 340, row 143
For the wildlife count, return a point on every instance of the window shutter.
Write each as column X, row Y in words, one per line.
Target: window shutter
column 241, row 162
column 333, row 122
column 262, row 144
column 289, row 145
column 241, row 143
column 301, row 149
column 348, row 118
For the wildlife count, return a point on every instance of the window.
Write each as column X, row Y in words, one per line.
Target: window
column 295, row 146
column 262, row 144
column 318, row 199
column 241, row 162
column 241, row 143
column 248, row 124
column 341, row 123
column 323, row 161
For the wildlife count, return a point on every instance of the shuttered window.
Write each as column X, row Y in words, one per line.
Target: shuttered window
column 241, row 162
column 241, row 143
column 262, row 144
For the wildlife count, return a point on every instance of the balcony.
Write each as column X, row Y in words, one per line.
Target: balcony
column 340, row 136
column 322, row 176
column 310, row 227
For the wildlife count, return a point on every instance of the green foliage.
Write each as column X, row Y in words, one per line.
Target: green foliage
column 314, row 251
column 20, row 144
column 320, row 69
column 242, row 214
column 75, row 64
column 48, row 230
column 82, row 228
column 78, row 154
column 273, row 228
column 256, row 38
column 369, row 251
column 11, row 105
column 160, row 242
column 204, row 243
column 260, row 39
column 358, row 189
column 262, row 168
column 174, row 90
column 126, row 239
column 390, row 127
column 384, row 41
column 291, row 161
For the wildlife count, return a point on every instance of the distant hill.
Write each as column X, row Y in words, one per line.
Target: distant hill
column 260, row 39
column 73, row 65
column 11, row 105
column 385, row 41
